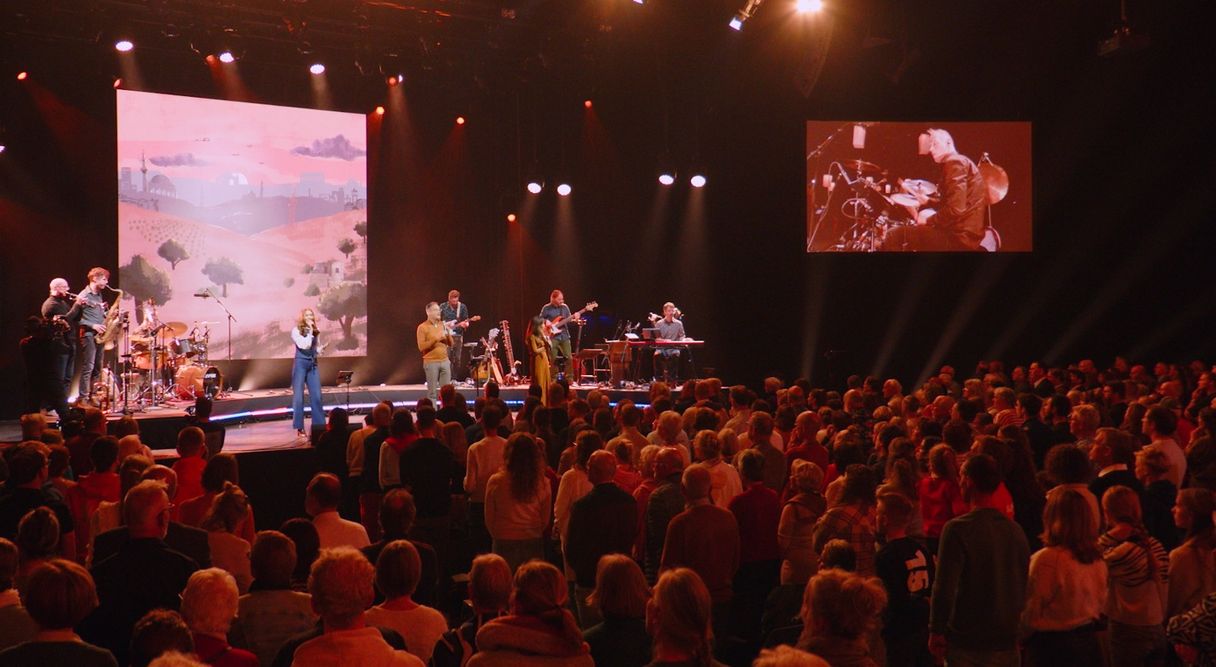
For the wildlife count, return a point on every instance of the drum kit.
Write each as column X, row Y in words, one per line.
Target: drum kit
column 875, row 202
column 170, row 361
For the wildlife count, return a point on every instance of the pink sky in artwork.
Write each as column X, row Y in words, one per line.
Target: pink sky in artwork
column 223, row 137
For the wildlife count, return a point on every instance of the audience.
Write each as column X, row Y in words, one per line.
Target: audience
column 159, row 632
column 271, row 612
column 518, row 505
column 757, row 513
column 539, row 627
column 906, row 569
column 490, row 597
column 1192, row 572
column 16, row 626
column 61, row 595
column 679, row 619
column 620, row 597
column 321, row 501
column 428, row 469
column 601, row 523
column 396, row 518
column 840, row 610
column 1137, row 566
column 220, row 470
column 398, row 571
column 229, row 551
column 190, row 541
column 192, row 450
column 209, row 606
column 796, row 527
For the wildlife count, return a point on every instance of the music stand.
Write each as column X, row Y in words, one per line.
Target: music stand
column 344, row 378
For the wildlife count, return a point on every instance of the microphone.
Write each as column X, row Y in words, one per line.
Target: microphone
column 203, row 294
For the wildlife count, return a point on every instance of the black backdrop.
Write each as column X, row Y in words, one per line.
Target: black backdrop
column 1123, row 200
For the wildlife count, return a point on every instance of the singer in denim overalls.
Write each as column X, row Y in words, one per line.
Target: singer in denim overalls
column 304, row 371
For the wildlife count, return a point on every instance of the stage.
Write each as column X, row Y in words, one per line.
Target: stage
column 259, row 420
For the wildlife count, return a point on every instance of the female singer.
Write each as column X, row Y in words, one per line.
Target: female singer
column 539, row 349
column 305, row 335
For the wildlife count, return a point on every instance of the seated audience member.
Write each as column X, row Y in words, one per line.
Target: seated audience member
column 1066, row 586
column 1157, row 502
column 16, row 626
column 220, row 470
column 518, row 505
column 849, row 518
column 24, row 491
column 271, row 613
column 839, row 611
column 303, row 534
column 398, row 570
column 229, row 551
column 1192, row 572
column 321, row 501
column 679, row 620
column 620, row 596
column 795, row 530
column 181, row 538
column 209, row 606
column 341, row 585
column 396, row 517
column 160, row 631
column 101, row 485
column 1137, row 566
column 906, row 570
column 145, row 573
column 725, row 482
column 37, row 542
column 108, row 515
column 192, row 448
column 539, row 627
column 61, row 595
column 489, row 597
column 787, row 656
column 601, row 522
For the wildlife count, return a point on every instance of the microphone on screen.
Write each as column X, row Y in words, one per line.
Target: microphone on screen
column 203, row 294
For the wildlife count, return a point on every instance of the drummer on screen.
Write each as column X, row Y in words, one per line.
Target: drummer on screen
column 304, row 371
column 959, row 219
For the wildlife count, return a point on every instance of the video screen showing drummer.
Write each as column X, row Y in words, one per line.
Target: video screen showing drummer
column 918, row 187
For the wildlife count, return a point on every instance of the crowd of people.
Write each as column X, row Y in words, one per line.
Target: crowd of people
column 1044, row 516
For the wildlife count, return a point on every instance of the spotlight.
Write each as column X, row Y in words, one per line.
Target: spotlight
column 697, row 181
column 379, row 111
column 460, row 120
column 3, row 148
column 317, row 69
column 639, row 2
column 667, row 179
column 226, row 57
column 736, row 21
column 124, row 45
column 667, row 169
column 22, row 76
column 586, row 104
column 535, row 186
column 808, row 6
column 392, row 80
column 117, row 83
column 564, row 189
column 510, row 217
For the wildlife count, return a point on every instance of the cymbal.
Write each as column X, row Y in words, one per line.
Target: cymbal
column 904, row 199
column 918, row 187
column 206, row 322
column 996, row 180
column 176, row 328
column 862, row 167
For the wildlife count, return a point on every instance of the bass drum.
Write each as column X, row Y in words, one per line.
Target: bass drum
column 193, row 381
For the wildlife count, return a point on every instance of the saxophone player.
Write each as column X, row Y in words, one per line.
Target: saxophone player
column 92, row 326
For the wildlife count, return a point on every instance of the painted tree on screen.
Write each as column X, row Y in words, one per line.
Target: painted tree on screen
column 346, row 247
column 172, row 252
column 343, row 304
column 361, row 230
column 143, row 281
column 222, row 272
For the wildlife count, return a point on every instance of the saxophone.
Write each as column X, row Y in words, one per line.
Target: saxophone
column 110, row 337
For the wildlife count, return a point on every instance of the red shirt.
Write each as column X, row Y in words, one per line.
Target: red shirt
column 940, row 501
column 757, row 511
column 189, row 471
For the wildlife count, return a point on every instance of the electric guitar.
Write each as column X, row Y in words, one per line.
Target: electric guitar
column 450, row 325
column 554, row 326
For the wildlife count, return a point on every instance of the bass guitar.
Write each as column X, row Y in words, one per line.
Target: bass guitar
column 450, row 325
column 554, row 326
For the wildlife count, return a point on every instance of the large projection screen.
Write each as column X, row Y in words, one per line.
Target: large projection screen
column 937, row 186
column 262, row 208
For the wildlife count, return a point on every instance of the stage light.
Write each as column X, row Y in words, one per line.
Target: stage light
column 22, row 76
column 639, row 2
column 379, row 111
column 226, row 57
column 460, row 120
column 666, row 178
column 736, row 21
column 564, row 189
column 3, row 148
column 317, row 68
column 586, row 104
column 535, row 186
column 510, row 217
column 808, row 6
column 124, row 45
column 697, row 181
column 117, row 83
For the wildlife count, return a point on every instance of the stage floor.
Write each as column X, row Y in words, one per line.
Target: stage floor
column 258, row 421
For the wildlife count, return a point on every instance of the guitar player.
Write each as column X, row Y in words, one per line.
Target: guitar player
column 560, row 341
column 456, row 315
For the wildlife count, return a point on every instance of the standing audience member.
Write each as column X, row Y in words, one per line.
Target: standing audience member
column 192, row 453
column 485, row 457
column 221, row 470
column 628, row 477
column 16, row 626
column 209, row 606
column 601, row 523
column 303, row 534
column 906, row 570
column 940, row 497
column 1112, row 454
column 160, row 631
column 796, row 528
column 428, row 470
column 398, row 571
column 1192, row 565
column 761, row 438
column 331, row 446
column 575, row 484
column 726, row 483
column 396, row 518
column 341, row 585
column 61, row 595
column 369, row 480
column 840, row 610
column 25, row 490
column 1066, row 586
column 620, row 596
column 271, row 613
column 849, row 519
column 1160, row 424
column 1157, row 504
column 321, row 501
column 101, row 485
column 539, row 627
column 518, row 505
column 679, row 619
column 757, row 512
column 490, row 597
column 980, row 588
column 664, row 503
column 1191, row 633
column 229, row 551
column 402, row 434
column 37, row 542
column 1137, row 565
column 187, row 540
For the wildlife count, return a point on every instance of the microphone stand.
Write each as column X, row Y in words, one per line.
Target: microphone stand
column 816, row 154
column 231, row 319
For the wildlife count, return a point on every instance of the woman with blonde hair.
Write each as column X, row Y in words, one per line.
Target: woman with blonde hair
column 1066, row 587
column 538, row 627
column 1137, row 565
column 840, row 612
column 229, row 551
column 620, row 596
column 679, row 620
column 1192, row 565
column 796, row 528
column 304, row 372
column 518, row 502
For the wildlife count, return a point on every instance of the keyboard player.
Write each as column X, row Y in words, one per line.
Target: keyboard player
column 667, row 359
